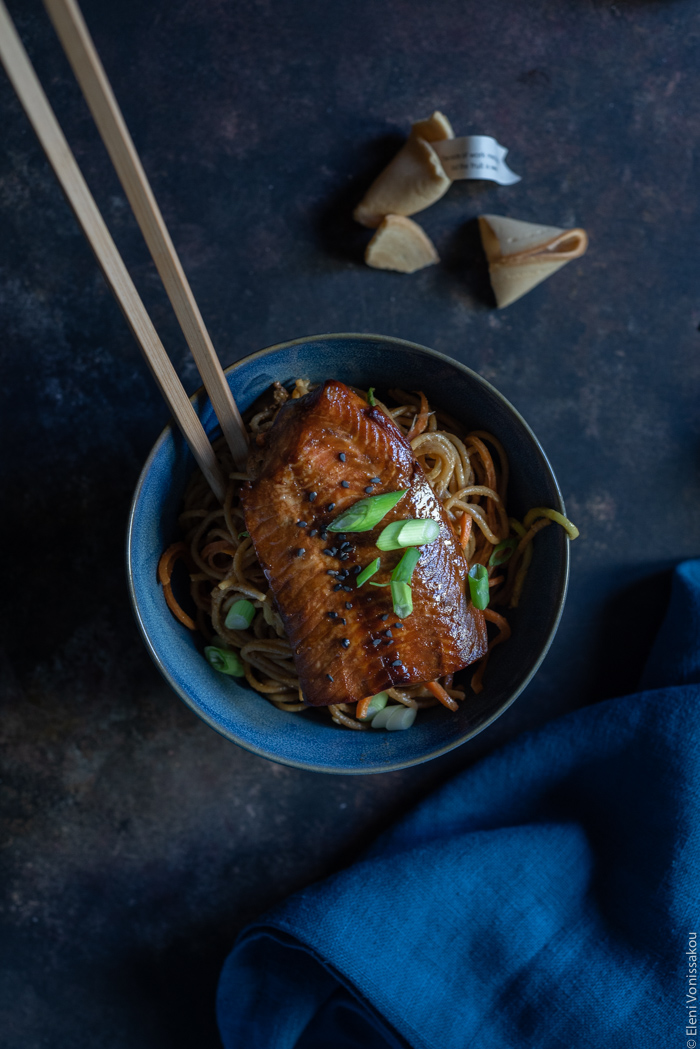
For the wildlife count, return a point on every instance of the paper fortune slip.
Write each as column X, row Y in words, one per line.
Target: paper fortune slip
column 475, row 157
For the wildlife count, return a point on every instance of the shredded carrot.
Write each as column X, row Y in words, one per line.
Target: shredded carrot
column 440, row 693
column 172, row 604
column 362, row 707
column 503, row 483
column 504, row 628
column 168, row 559
column 165, row 569
column 486, row 459
column 501, row 622
column 465, row 529
column 421, row 420
column 490, row 478
column 222, row 547
column 482, row 554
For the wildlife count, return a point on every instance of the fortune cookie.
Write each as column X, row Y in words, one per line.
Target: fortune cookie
column 523, row 254
column 413, row 180
column 400, row 244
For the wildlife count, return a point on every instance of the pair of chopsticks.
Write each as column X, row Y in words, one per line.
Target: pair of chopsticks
column 82, row 55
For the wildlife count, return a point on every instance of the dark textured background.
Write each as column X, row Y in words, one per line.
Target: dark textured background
column 135, row 841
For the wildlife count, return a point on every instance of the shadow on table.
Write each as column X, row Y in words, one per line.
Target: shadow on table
column 629, row 622
column 179, row 983
column 464, row 261
column 337, row 232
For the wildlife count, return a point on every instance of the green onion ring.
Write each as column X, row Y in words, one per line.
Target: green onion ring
column 479, row 586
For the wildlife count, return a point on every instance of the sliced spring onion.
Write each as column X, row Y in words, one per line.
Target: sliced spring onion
column 240, row 615
column 479, row 586
column 400, row 578
column 380, row 584
column 395, row 717
column 377, row 703
column 379, row 720
column 224, row 660
column 412, row 532
column 544, row 511
column 404, row 569
column 370, row 396
column 403, row 599
column 244, row 535
column 365, row 514
column 401, row 718
column 503, row 552
column 368, row 572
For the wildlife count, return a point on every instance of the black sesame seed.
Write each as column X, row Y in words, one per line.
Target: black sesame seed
column 312, row 496
column 329, row 677
column 345, row 556
column 341, row 537
column 375, row 480
column 343, row 573
column 345, row 545
column 387, row 633
column 334, row 550
column 385, row 617
column 301, row 524
column 301, row 551
column 333, row 615
column 342, row 457
column 313, row 533
column 338, row 587
column 322, row 534
column 345, row 642
column 344, row 484
column 398, row 626
column 396, row 663
column 348, row 604
column 343, row 621
column 331, row 571
column 388, row 641
column 331, row 506
column 347, row 589
column 377, row 641
column 357, row 569
column 369, row 489
column 328, row 551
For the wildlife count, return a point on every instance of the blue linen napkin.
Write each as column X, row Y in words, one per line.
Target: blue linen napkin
column 543, row 899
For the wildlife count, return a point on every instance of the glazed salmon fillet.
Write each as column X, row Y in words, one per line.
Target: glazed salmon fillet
column 325, row 452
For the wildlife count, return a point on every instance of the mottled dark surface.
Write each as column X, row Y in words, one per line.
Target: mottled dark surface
column 136, row 842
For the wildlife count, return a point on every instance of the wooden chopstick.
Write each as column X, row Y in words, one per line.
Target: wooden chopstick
column 26, row 83
column 82, row 55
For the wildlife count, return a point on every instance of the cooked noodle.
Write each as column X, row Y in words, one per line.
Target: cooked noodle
column 224, row 568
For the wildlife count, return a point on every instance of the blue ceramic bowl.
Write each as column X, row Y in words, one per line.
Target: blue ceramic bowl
column 310, row 740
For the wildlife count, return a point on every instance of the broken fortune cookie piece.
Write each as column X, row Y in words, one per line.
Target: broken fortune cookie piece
column 400, row 244
column 523, row 254
column 413, row 180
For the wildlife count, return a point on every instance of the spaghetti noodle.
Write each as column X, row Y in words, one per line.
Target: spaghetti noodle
column 468, row 472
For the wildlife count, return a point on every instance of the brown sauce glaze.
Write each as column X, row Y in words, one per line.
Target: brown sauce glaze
column 301, row 484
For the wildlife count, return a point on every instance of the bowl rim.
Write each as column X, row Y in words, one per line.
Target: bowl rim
column 308, row 766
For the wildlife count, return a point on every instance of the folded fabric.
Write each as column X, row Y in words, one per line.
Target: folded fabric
column 543, row 899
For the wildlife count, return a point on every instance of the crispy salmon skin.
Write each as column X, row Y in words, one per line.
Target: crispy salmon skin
column 323, row 453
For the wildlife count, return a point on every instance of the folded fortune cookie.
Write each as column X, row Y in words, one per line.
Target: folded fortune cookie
column 523, row 254
column 400, row 244
column 413, row 180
